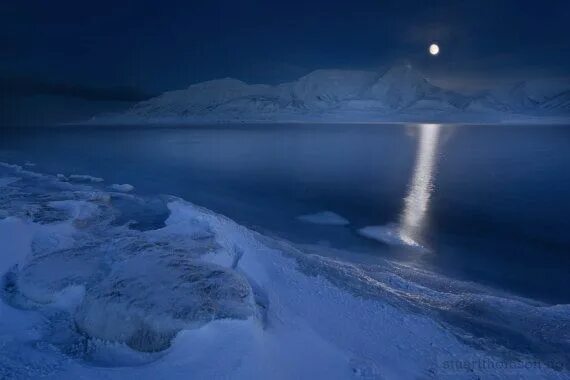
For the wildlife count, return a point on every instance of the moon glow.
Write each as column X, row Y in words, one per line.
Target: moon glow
column 433, row 49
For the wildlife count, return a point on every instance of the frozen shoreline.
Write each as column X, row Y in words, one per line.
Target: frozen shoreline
column 310, row 316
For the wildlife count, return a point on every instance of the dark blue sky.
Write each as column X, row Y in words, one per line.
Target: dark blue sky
column 159, row 45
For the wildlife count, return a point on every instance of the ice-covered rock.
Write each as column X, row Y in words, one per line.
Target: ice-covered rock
column 146, row 300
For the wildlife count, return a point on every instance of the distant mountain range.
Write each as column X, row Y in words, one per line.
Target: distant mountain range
column 399, row 94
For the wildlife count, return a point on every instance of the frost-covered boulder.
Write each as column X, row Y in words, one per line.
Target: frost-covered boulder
column 147, row 299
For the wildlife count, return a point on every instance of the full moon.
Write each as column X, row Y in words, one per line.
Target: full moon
column 433, row 49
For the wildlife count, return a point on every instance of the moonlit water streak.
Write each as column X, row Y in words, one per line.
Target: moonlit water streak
column 416, row 203
column 421, row 186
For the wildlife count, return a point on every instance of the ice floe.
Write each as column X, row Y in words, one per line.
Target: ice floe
column 84, row 178
column 125, row 187
column 390, row 234
column 324, row 217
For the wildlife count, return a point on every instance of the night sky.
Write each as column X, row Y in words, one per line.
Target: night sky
column 102, row 52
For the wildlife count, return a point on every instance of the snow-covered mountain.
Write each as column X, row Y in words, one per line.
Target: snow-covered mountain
column 399, row 94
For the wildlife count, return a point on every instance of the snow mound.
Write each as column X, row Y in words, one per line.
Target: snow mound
column 324, row 217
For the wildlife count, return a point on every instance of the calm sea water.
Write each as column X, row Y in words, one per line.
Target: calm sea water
column 490, row 204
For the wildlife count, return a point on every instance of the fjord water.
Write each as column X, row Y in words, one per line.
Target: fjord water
column 487, row 204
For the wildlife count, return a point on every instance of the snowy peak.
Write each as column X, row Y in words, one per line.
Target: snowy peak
column 518, row 97
column 400, row 93
column 323, row 88
column 199, row 99
column 558, row 102
column 403, row 75
column 400, row 87
column 532, row 95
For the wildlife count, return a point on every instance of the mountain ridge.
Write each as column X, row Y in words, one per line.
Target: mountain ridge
column 401, row 93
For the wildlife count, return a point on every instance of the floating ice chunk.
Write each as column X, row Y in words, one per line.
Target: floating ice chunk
column 5, row 181
column 147, row 299
column 84, row 178
column 124, row 188
column 11, row 166
column 324, row 217
column 390, row 234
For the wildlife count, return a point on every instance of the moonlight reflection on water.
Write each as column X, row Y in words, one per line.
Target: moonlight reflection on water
column 417, row 200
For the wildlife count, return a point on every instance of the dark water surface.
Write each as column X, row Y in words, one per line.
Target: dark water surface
column 491, row 203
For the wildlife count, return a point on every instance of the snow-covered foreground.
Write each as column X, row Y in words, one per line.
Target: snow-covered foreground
column 84, row 296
